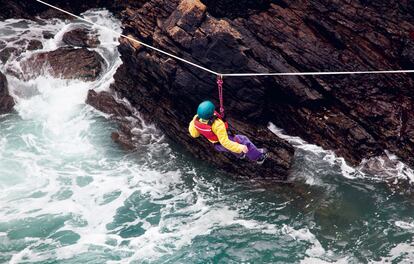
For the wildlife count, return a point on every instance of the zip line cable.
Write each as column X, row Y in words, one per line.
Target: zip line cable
column 226, row 74
column 314, row 73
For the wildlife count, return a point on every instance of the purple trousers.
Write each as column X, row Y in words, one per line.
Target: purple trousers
column 253, row 154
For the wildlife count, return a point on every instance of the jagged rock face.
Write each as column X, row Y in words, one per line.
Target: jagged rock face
column 67, row 63
column 168, row 93
column 357, row 116
column 6, row 101
column 130, row 124
column 106, row 103
column 120, row 113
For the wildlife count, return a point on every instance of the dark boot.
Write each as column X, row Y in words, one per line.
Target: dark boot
column 262, row 158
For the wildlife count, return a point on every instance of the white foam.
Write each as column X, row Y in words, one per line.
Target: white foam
column 401, row 253
column 3, row 142
column 403, row 171
column 312, row 260
column 53, row 146
column 405, row 225
column 387, row 167
column 325, row 155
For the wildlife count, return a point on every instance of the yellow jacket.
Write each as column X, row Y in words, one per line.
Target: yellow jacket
column 218, row 128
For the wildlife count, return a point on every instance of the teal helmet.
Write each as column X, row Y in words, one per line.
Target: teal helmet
column 206, row 110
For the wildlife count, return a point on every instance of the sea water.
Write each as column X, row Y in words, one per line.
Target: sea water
column 68, row 194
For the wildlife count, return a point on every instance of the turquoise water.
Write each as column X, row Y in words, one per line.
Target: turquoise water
column 71, row 195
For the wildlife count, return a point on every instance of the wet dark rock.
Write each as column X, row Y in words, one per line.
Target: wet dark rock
column 106, row 103
column 6, row 101
column 81, row 37
column 12, row 9
column 67, row 63
column 124, row 140
column 34, row 45
column 20, row 47
column 125, row 116
column 22, row 42
column 6, row 53
column 48, row 35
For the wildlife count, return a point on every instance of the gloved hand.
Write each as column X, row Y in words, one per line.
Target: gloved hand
column 245, row 149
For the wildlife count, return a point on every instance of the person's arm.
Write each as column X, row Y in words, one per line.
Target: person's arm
column 220, row 130
column 193, row 131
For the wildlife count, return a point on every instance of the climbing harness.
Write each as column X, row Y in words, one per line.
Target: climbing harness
column 205, row 129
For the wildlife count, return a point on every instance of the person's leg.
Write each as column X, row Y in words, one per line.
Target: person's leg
column 254, row 153
column 220, row 148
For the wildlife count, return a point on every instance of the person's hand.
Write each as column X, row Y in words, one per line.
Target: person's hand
column 245, row 149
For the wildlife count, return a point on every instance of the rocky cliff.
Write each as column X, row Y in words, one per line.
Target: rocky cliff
column 356, row 116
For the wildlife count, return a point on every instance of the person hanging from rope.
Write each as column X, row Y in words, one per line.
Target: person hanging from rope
column 210, row 124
